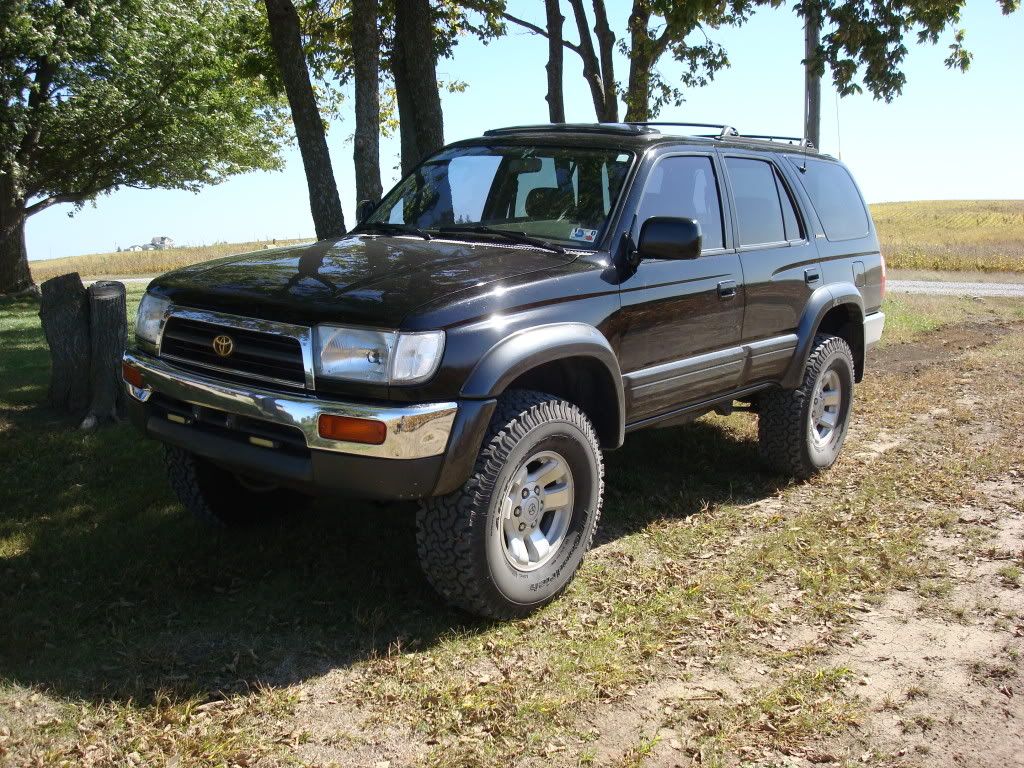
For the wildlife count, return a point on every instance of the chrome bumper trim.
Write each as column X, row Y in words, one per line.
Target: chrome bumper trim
column 413, row 431
column 873, row 325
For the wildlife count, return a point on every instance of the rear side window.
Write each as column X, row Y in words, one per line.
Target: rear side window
column 764, row 211
column 686, row 187
column 835, row 198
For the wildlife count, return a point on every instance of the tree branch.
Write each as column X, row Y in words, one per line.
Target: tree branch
column 46, row 202
column 539, row 31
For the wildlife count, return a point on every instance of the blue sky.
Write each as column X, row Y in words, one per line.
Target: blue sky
column 949, row 136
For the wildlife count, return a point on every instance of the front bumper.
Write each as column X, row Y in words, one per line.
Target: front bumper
column 274, row 434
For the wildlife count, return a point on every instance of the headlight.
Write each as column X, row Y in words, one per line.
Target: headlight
column 152, row 310
column 377, row 357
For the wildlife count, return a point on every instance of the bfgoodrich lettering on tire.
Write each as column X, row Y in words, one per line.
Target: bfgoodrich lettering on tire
column 511, row 539
column 802, row 430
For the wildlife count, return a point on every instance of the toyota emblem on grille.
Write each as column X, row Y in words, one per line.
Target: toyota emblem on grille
column 223, row 345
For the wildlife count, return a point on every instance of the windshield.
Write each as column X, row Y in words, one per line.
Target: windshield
column 559, row 194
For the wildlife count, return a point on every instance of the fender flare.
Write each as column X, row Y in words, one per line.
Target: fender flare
column 821, row 301
column 530, row 348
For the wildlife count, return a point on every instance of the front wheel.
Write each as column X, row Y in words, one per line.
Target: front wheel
column 801, row 431
column 218, row 497
column 512, row 538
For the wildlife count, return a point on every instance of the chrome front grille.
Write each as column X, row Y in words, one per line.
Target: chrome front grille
column 272, row 352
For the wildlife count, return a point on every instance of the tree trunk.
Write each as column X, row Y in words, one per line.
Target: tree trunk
column 286, row 39
column 641, row 63
column 366, row 66
column 14, row 273
column 591, row 65
column 421, row 122
column 812, row 75
column 606, row 44
column 108, row 335
column 555, row 98
column 64, row 312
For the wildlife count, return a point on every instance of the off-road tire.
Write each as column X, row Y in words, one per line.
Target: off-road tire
column 452, row 531
column 217, row 497
column 784, row 428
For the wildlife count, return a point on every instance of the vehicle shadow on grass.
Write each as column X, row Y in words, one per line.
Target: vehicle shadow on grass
column 109, row 591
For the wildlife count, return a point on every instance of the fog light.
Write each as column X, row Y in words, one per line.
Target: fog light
column 132, row 375
column 352, row 430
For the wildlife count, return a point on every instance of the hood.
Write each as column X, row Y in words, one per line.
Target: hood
column 370, row 280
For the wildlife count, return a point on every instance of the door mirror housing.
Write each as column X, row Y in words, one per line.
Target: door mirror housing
column 363, row 210
column 668, row 237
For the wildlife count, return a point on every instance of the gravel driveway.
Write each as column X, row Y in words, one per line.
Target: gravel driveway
column 936, row 288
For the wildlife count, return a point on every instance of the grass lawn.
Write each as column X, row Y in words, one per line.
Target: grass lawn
column 131, row 635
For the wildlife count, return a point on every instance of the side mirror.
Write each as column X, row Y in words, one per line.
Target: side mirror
column 363, row 210
column 668, row 237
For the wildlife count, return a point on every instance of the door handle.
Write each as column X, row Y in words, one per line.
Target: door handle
column 727, row 289
column 812, row 275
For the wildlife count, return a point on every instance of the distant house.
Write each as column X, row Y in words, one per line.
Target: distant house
column 162, row 242
column 134, row 248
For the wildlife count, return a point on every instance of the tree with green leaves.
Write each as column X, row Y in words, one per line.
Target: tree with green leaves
column 412, row 36
column 864, row 43
column 654, row 28
column 99, row 95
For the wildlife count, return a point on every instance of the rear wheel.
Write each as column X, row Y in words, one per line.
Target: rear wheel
column 219, row 497
column 512, row 538
column 802, row 430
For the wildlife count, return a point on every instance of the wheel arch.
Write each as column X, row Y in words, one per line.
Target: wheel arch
column 573, row 361
column 837, row 309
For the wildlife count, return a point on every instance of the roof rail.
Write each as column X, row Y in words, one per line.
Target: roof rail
column 631, row 129
column 724, row 131
column 728, row 132
column 799, row 141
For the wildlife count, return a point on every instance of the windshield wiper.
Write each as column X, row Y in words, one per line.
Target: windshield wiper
column 387, row 227
column 516, row 237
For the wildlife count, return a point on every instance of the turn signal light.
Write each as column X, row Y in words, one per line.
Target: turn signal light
column 132, row 375
column 351, row 429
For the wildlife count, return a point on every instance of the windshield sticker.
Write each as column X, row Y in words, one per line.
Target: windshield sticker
column 585, row 235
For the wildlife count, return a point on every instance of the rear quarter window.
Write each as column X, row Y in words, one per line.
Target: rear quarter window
column 835, row 198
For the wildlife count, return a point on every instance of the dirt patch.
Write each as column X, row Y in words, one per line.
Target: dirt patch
column 937, row 346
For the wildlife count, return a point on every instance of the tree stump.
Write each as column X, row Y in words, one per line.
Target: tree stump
column 64, row 313
column 108, row 331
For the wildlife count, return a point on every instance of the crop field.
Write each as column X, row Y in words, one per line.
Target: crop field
column 128, row 263
column 953, row 235
column 873, row 616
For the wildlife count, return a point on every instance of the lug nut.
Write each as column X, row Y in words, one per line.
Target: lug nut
column 537, row 490
column 518, row 511
column 522, row 526
column 525, row 493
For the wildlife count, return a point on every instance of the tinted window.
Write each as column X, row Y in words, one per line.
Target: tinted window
column 758, row 208
column 685, row 187
column 789, row 217
column 835, row 198
column 558, row 193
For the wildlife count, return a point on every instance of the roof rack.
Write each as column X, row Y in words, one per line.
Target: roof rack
column 724, row 131
column 787, row 139
column 728, row 132
column 720, row 131
column 629, row 129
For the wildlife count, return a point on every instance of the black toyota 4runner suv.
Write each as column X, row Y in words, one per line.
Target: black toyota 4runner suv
column 511, row 309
